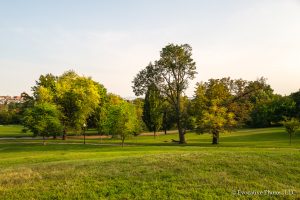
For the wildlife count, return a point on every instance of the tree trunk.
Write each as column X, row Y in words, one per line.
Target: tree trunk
column 179, row 125
column 54, row 137
column 64, row 134
column 165, row 122
column 181, row 133
column 215, row 139
column 123, row 138
column 181, row 137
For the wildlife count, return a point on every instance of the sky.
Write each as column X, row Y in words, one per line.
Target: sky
column 112, row 40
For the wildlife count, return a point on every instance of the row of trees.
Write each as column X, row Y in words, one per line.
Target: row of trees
column 70, row 103
column 218, row 105
column 9, row 113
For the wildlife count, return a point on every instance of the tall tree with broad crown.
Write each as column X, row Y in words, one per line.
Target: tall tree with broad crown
column 171, row 75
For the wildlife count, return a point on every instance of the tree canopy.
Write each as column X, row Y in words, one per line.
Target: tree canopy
column 153, row 114
column 171, row 75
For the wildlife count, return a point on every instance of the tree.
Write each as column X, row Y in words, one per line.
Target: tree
column 245, row 96
column 43, row 120
column 291, row 126
column 5, row 116
column 121, row 120
column 272, row 111
column 152, row 113
column 169, row 118
column 212, row 115
column 170, row 74
column 188, row 120
column 10, row 113
column 238, row 98
column 296, row 97
column 215, row 119
column 77, row 97
column 97, row 117
column 45, row 88
column 139, row 107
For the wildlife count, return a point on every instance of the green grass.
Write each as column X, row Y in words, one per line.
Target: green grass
column 148, row 168
column 13, row 131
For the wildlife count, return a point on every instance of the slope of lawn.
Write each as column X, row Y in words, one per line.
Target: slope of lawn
column 13, row 131
column 249, row 160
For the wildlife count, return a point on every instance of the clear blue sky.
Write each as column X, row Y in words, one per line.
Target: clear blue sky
column 112, row 40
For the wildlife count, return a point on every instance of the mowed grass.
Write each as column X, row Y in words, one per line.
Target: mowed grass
column 13, row 131
column 257, row 160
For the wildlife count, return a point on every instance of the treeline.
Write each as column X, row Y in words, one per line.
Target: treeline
column 72, row 103
column 218, row 105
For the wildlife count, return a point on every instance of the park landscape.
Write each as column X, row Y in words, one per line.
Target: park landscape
column 74, row 140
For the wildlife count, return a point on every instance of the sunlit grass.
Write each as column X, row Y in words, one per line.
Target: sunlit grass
column 148, row 168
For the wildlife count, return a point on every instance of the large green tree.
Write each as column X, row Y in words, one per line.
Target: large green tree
column 215, row 119
column 121, row 119
column 171, row 75
column 77, row 97
column 212, row 114
column 43, row 120
column 272, row 111
column 152, row 113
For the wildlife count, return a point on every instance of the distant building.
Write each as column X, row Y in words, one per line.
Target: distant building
column 11, row 99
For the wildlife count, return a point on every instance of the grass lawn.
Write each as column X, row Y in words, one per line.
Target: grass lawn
column 13, row 131
column 249, row 160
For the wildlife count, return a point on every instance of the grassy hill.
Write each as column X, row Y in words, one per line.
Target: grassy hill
column 249, row 160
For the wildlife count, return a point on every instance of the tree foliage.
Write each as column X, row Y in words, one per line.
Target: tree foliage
column 43, row 120
column 296, row 97
column 121, row 119
column 171, row 75
column 291, row 126
column 97, row 117
column 77, row 97
column 152, row 113
column 212, row 115
column 139, row 107
column 272, row 111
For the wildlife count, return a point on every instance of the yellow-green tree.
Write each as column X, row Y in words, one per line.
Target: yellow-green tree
column 121, row 120
column 77, row 97
column 211, row 113
column 291, row 126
